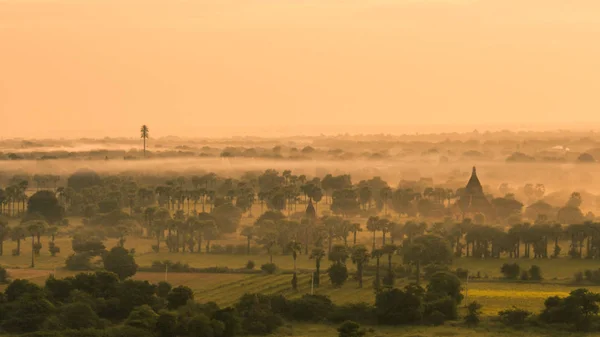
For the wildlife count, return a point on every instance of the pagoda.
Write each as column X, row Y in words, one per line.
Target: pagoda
column 473, row 200
column 311, row 213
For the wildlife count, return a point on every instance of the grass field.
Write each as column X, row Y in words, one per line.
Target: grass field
column 448, row 330
column 490, row 290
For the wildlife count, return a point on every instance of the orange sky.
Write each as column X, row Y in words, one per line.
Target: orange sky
column 70, row 68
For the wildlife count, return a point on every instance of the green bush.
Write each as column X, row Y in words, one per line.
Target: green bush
column 250, row 264
column 436, row 318
column 473, row 313
column 79, row 261
column 4, row 276
column 510, row 270
column 461, row 273
column 445, row 305
column 535, row 273
column 358, row 312
column 313, row 308
column 269, row 268
column 396, row 306
column 338, row 274
column 350, row 329
column 514, row 316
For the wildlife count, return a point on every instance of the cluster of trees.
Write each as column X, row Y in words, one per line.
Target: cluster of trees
column 87, row 194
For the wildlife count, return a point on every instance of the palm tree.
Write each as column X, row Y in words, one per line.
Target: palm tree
column 317, row 254
column 248, row 232
column 145, row 134
column 161, row 219
column 390, row 250
column 377, row 254
column 373, row 225
column 17, row 234
column 33, row 228
column 211, row 231
column 4, row 233
column 295, row 248
column 414, row 254
column 355, row 229
column 360, row 257
column 149, row 217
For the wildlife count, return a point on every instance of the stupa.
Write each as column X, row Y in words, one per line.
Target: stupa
column 473, row 200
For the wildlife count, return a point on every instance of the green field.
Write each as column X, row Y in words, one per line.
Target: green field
column 489, row 289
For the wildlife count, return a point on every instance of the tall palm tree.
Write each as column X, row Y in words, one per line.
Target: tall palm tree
column 145, row 134
column 360, row 257
column 355, row 229
column 211, row 231
column 33, row 228
column 295, row 248
column 390, row 250
column 17, row 234
column 373, row 225
column 377, row 254
column 248, row 232
column 161, row 219
column 4, row 233
column 317, row 254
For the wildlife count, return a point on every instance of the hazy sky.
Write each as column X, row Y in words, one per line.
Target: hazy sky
column 217, row 67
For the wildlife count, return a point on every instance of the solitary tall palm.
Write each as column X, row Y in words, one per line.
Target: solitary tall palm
column 33, row 228
column 295, row 248
column 145, row 134
column 318, row 254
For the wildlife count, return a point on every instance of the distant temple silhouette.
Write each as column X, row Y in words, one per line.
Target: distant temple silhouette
column 311, row 213
column 473, row 200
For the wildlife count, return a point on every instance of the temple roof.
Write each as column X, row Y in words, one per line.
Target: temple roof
column 474, row 186
column 310, row 210
column 474, row 199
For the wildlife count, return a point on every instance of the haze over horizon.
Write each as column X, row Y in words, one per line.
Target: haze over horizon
column 263, row 67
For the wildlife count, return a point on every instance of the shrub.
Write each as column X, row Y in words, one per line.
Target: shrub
column 79, row 261
column 461, row 273
column 312, row 308
column 524, row 275
column 445, row 284
column 53, row 249
column 338, row 274
column 78, row 315
column 258, row 313
column 142, row 317
column 514, row 316
column 445, row 305
column 250, row 264
column 179, row 296
column 510, row 270
column 350, row 329
column 436, row 318
column 535, row 273
column 37, row 247
column 269, row 268
column 4, row 277
column 396, row 306
column 121, row 262
column 578, row 308
column 163, row 289
column 473, row 313
column 358, row 312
